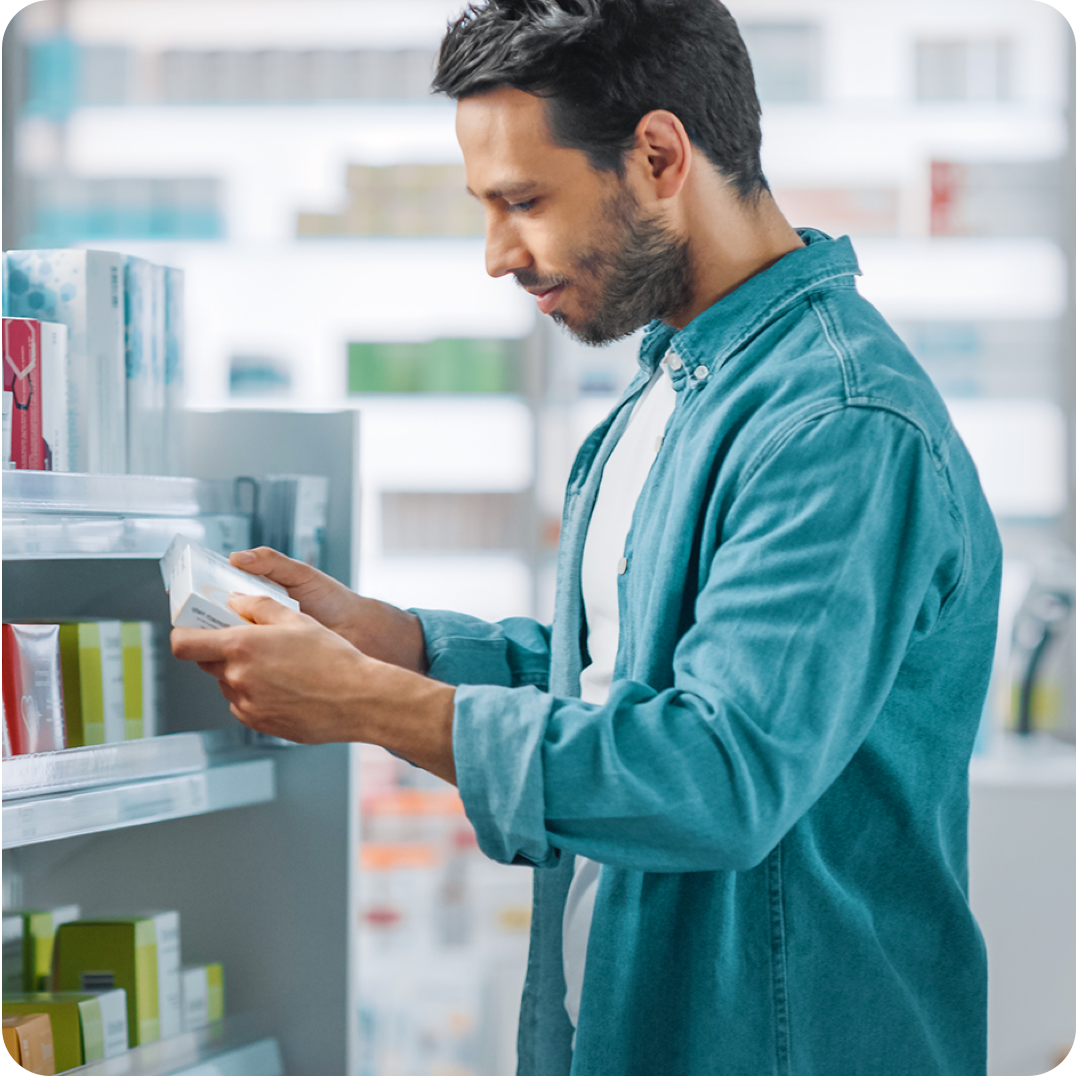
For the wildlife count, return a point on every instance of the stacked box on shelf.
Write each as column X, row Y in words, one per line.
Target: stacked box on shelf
column 86, row 1026
column 36, row 395
column 28, row 1038
column 82, row 289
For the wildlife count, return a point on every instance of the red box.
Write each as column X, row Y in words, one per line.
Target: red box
column 22, row 378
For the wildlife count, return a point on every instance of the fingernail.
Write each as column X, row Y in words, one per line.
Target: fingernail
column 244, row 556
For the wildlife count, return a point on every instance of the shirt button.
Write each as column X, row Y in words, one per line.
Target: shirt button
column 674, row 361
column 701, row 373
column 622, row 566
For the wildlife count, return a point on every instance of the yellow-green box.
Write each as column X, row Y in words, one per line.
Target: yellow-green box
column 98, row 954
column 85, row 1027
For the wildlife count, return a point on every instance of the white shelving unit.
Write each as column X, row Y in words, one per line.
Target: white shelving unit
column 253, row 845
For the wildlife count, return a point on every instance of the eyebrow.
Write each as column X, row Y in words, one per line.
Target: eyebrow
column 507, row 192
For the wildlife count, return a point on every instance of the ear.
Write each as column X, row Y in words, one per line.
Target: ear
column 660, row 138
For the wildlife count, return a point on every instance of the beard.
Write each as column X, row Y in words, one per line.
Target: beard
column 639, row 270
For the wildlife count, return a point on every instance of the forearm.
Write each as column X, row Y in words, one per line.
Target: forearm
column 386, row 633
column 409, row 715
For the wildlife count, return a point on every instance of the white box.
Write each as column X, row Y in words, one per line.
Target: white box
column 143, row 312
column 168, row 981
column 111, row 633
column 55, row 408
column 199, row 583
column 82, row 289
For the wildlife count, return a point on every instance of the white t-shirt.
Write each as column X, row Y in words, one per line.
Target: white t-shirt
column 622, row 481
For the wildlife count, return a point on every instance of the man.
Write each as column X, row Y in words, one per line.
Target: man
column 738, row 758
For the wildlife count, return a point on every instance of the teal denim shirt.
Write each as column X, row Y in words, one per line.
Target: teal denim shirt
column 777, row 785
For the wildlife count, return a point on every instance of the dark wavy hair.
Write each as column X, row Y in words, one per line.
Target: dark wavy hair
column 603, row 64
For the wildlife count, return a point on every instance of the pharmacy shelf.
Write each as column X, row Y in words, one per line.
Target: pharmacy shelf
column 77, row 768
column 225, row 1048
column 237, row 783
column 50, row 515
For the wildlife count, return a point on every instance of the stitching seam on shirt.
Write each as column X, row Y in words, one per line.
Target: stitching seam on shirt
column 779, row 965
column 831, row 333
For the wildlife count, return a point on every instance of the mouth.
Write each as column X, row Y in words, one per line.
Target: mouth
column 547, row 297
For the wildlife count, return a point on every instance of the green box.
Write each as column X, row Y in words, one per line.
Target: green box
column 105, row 953
column 435, row 366
column 85, row 1027
column 84, row 694
column 39, row 927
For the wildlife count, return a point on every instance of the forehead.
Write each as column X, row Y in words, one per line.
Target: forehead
column 506, row 140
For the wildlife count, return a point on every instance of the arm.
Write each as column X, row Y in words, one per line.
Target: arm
column 836, row 554
column 349, row 668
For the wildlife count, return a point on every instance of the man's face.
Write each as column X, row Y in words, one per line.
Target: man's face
column 573, row 236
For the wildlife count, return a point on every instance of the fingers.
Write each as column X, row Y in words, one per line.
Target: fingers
column 273, row 565
column 261, row 609
column 201, row 644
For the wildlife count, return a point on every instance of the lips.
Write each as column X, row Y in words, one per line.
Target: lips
column 547, row 300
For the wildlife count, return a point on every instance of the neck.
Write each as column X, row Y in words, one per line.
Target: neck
column 730, row 242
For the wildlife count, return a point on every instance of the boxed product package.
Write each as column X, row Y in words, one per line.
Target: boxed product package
column 13, row 980
column 9, row 410
column 82, row 289
column 203, row 995
column 134, row 694
column 28, row 1038
column 170, row 1003
column 85, row 1026
column 144, row 346
column 33, row 696
column 91, row 654
column 39, row 926
column 99, row 954
column 174, row 346
column 200, row 581
column 35, row 376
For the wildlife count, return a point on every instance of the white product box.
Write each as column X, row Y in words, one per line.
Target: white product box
column 55, row 408
column 114, row 1021
column 174, row 347
column 169, row 997
column 82, row 289
column 143, row 311
column 200, row 581
column 111, row 633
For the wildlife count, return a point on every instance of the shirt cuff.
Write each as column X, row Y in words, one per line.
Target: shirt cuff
column 497, row 737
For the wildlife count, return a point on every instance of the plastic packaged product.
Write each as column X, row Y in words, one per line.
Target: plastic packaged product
column 203, row 995
column 35, row 379
column 85, row 1026
column 82, row 289
column 200, row 581
column 33, row 696
column 39, row 926
column 28, row 1038
column 100, row 954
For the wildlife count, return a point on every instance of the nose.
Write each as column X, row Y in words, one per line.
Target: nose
column 505, row 249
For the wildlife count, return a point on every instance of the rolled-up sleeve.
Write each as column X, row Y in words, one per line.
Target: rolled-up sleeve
column 839, row 548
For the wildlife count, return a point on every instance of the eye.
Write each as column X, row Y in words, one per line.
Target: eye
column 522, row 207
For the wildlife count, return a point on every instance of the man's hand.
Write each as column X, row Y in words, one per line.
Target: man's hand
column 287, row 675
column 376, row 628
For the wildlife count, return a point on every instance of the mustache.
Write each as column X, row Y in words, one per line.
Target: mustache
column 526, row 279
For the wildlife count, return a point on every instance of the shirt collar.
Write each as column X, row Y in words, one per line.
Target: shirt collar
column 712, row 336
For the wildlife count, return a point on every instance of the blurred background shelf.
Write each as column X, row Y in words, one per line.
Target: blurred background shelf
column 225, row 1048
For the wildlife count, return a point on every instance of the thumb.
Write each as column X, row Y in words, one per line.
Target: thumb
column 261, row 609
